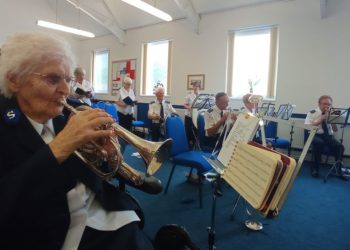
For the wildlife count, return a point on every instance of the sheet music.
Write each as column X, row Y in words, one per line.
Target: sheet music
column 243, row 130
column 250, row 172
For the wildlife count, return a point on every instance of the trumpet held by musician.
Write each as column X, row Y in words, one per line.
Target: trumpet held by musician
column 51, row 200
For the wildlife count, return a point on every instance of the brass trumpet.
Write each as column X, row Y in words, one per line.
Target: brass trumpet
column 104, row 158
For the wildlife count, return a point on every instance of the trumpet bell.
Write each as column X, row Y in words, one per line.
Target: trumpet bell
column 159, row 154
column 153, row 153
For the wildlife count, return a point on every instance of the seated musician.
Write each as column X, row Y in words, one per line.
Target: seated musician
column 215, row 119
column 50, row 199
column 158, row 111
column 324, row 135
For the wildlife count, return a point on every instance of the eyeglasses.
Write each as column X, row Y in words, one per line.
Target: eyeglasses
column 54, row 79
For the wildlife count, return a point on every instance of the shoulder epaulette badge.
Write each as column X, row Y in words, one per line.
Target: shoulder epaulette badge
column 312, row 111
column 167, row 102
column 152, row 102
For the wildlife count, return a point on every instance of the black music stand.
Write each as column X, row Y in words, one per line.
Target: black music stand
column 267, row 108
column 203, row 101
column 284, row 111
column 340, row 116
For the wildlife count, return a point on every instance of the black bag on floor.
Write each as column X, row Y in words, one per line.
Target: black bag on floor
column 173, row 237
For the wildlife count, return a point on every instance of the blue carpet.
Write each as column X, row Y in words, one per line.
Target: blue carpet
column 316, row 215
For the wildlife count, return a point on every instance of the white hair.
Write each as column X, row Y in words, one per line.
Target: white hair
column 22, row 53
column 79, row 71
column 159, row 88
column 127, row 80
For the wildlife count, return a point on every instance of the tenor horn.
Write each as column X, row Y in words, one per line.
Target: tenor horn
column 104, row 158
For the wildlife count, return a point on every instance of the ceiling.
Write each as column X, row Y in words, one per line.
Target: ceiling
column 104, row 17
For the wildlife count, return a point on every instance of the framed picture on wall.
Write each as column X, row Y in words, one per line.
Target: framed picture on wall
column 196, row 79
column 120, row 70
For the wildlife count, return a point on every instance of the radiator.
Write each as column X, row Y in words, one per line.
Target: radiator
column 284, row 131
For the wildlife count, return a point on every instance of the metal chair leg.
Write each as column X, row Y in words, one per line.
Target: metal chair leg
column 169, row 179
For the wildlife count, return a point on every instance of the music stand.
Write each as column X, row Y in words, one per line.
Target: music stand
column 340, row 116
column 203, row 101
column 284, row 111
column 267, row 108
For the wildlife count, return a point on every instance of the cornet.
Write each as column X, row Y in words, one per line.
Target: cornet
column 104, row 158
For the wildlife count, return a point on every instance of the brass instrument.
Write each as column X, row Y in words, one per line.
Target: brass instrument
column 104, row 158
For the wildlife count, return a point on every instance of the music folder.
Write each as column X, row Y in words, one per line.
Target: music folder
column 128, row 101
column 259, row 174
column 80, row 91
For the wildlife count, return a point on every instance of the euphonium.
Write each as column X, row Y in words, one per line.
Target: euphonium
column 104, row 158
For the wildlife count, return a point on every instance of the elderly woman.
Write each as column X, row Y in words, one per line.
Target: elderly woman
column 80, row 87
column 50, row 200
column 125, row 101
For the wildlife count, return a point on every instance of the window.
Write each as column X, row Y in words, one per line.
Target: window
column 252, row 62
column 156, row 66
column 100, row 71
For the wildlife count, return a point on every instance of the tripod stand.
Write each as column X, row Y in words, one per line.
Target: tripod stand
column 338, row 118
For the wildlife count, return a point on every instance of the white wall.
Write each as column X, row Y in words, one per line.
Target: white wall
column 312, row 51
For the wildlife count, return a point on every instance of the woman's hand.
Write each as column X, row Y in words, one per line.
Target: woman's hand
column 80, row 129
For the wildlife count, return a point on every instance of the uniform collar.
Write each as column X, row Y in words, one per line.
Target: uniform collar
column 216, row 109
column 39, row 126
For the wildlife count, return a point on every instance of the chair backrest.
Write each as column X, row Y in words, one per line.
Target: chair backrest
column 175, row 129
column 101, row 105
column 112, row 110
column 271, row 130
column 142, row 114
column 201, row 128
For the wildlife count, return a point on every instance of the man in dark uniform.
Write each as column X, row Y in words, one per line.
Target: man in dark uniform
column 324, row 135
column 158, row 111
column 215, row 119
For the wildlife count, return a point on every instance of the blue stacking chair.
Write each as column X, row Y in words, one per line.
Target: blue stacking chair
column 201, row 133
column 181, row 153
column 271, row 137
column 325, row 150
column 101, row 105
column 112, row 110
column 138, row 124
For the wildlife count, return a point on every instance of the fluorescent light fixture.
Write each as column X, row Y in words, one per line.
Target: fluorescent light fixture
column 56, row 26
column 149, row 9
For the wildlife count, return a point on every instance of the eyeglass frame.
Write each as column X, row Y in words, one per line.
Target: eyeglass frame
column 45, row 77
